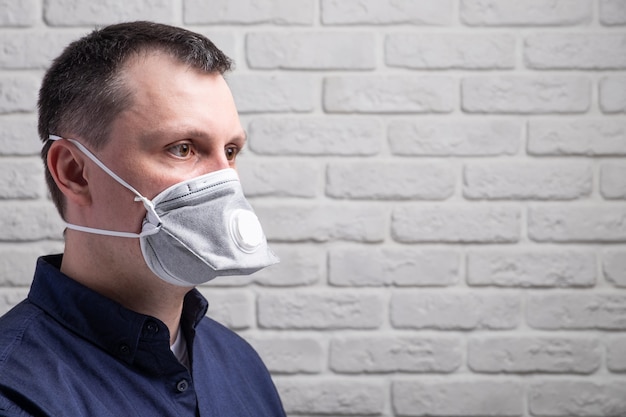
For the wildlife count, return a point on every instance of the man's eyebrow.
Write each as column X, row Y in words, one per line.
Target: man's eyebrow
column 182, row 133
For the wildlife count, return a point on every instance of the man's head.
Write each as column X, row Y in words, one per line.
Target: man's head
column 85, row 89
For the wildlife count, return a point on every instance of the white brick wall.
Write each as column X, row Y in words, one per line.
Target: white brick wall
column 445, row 182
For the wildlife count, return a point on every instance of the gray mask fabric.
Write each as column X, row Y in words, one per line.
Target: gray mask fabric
column 197, row 229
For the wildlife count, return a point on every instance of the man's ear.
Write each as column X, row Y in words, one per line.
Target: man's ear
column 67, row 166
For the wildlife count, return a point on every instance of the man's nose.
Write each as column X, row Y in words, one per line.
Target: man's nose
column 216, row 162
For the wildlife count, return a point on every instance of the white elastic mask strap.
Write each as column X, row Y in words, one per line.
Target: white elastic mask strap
column 102, row 231
column 91, row 156
column 153, row 218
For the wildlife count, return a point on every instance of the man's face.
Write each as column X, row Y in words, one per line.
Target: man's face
column 182, row 123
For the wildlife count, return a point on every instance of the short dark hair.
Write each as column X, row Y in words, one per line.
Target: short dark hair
column 82, row 92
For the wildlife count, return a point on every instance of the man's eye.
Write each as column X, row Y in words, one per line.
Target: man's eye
column 181, row 150
column 231, row 152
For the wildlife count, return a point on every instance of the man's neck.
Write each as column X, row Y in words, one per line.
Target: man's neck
column 137, row 290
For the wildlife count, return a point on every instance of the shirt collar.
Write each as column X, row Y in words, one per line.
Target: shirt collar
column 97, row 318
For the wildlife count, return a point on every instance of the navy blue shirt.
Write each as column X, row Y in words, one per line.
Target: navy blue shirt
column 68, row 351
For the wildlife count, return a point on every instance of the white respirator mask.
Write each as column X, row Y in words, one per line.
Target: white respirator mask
column 195, row 230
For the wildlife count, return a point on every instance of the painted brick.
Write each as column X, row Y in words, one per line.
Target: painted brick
column 384, row 12
column 446, row 51
column 366, row 324
column 616, row 360
column 271, row 93
column 526, row 180
column 534, row 354
column 29, row 221
column 331, row 396
column 320, row 310
column 321, row 223
column 79, row 13
column 589, row 136
column 316, row 136
column 290, row 355
column 613, row 12
column 282, row 178
column 18, row 93
column 311, row 50
column 569, row 311
column 18, row 135
column 234, row 309
column 578, row 398
column 22, row 13
column 454, row 310
column 531, row 268
column 21, row 178
column 455, row 223
column 454, row 137
column 584, row 223
column 526, row 94
column 613, row 94
column 613, row 180
column 10, row 297
column 575, row 50
column 301, row 265
column 395, row 354
column 399, row 93
column 31, row 50
column 614, row 267
column 438, row 397
column 277, row 12
column 368, row 266
column 391, row 180
column 525, row 13
column 17, row 262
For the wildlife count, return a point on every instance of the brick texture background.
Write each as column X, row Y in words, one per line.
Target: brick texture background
column 445, row 182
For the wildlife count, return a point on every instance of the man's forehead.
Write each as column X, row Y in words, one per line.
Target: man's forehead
column 159, row 73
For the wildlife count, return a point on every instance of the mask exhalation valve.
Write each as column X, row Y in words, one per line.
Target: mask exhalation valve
column 246, row 230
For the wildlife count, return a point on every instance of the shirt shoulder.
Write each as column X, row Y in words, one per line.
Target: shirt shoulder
column 226, row 342
column 16, row 327
column 231, row 368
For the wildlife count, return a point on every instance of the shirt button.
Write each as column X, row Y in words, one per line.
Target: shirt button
column 152, row 327
column 182, row 385
column 124, row 349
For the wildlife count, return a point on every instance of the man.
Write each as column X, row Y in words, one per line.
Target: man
column 141, row 136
